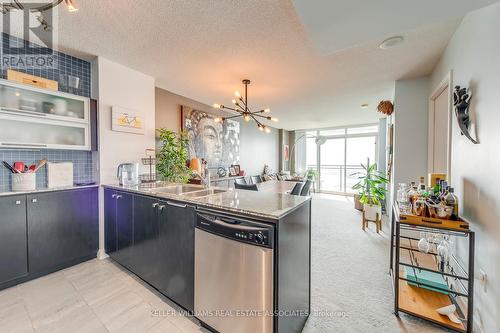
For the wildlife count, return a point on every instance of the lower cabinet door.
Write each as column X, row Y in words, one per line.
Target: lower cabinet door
column 145, row 259
column 176, row 252
column 13, row 238
column 109, row 221
column 63, row 227
column 124, row 228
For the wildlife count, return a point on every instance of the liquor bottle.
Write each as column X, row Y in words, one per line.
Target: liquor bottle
column 413, row 193
column 421, row 182
column 451, row 200
column 444, row 185
column 444, row 192
column 437, row 187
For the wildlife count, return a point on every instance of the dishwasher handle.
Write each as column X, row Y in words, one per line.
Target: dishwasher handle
column 246, row 231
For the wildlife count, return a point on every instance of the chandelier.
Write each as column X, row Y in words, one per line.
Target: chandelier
column 39, row 8
column 242, row 110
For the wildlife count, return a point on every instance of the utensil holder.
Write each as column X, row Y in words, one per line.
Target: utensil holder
column 23, row 182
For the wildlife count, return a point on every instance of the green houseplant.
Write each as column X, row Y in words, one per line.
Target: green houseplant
column 311, row 174
column 172, row 156
column 371, row 188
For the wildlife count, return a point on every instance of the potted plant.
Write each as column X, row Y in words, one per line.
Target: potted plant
column 172, row 156
column 311, row 174
column 357, row 203
column 371, row 187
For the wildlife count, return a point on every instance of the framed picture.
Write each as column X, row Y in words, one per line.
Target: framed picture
column 218, row 143
column 232, row 171
column 126, row 120
column 237, row 169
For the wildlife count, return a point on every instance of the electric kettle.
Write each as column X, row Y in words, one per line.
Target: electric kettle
column 128, row 174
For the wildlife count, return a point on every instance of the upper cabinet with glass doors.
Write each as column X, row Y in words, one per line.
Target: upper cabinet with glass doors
column 31, row 117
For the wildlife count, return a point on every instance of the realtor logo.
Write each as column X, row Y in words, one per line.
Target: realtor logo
column 28, row 35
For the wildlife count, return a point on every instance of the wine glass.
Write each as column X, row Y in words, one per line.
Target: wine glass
column 423, row 243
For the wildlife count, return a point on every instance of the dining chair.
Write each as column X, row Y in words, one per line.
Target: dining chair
column 306, row 189
column 240, row 181
column 256, row 179
column 297, row 189
column 250, row 187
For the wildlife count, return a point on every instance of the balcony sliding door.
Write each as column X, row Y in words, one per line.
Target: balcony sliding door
column 339, row 157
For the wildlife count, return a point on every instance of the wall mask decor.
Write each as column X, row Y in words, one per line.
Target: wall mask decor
column 218, row 143
column 461, row 101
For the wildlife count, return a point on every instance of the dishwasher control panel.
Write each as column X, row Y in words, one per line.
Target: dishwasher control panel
column 240, row 230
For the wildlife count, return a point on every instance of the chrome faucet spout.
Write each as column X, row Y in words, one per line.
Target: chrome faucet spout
column 205, row 180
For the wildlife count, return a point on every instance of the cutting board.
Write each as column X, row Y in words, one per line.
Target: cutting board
column 59, row 174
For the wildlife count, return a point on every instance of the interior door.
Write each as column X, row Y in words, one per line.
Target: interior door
column 440, row 142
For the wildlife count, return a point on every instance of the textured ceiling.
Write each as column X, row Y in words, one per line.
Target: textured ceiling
column 202, row 49
column 336, row 25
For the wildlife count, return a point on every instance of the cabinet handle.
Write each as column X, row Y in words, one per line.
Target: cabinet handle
column 34, row 200
column 161, row 208
column 118, row 196
column 18, row 202
column 113, row 196
column 155, row 205
column 170, row 203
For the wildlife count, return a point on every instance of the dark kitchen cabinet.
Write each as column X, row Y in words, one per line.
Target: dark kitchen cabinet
column 119, row 230
column 63, row 227
column 145, row 256
column 13, row 238
column 176, row 251
column 154, row 239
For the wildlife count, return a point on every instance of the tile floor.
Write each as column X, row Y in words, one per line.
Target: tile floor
column 100, row 296
column 96, row 296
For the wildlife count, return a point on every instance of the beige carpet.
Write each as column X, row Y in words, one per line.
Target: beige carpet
column 349, row 274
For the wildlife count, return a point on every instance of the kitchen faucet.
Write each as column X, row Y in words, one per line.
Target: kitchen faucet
column 205, row 180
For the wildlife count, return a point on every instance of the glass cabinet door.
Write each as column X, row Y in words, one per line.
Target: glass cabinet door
column 14, row 98
column 23, row 131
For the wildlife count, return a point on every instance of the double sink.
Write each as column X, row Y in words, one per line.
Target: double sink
column 191, row 191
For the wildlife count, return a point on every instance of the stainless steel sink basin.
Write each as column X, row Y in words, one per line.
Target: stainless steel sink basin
column 178, row 189
column 203, row 193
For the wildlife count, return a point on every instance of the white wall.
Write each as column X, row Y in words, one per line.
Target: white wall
column 121, row 86
column 473, row 55
column 410, row 119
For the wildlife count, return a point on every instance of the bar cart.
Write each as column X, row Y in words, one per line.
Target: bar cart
column 414, row 292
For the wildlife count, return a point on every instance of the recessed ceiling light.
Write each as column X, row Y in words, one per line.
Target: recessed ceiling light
column 391, row 42
column 364, row 106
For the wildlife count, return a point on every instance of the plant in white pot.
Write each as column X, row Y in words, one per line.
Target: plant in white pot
column 371, row 187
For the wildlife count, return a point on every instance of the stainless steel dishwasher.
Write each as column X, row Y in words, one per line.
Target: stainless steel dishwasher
column 234, row 274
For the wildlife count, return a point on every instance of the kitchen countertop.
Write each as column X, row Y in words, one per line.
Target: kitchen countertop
column 270, row 202
column 44, row 190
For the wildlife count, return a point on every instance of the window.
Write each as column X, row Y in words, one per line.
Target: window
column 339, row 158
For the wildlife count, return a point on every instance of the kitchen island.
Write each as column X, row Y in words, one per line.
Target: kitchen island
column 245, row 253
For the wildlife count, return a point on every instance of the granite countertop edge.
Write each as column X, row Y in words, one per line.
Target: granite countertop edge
column 200, row 202
column 46, row 190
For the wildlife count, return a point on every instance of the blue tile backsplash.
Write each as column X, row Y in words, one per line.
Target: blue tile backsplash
column 83, row 165
column 66, row 65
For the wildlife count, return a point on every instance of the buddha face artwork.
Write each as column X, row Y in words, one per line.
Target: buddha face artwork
column 218, row 143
